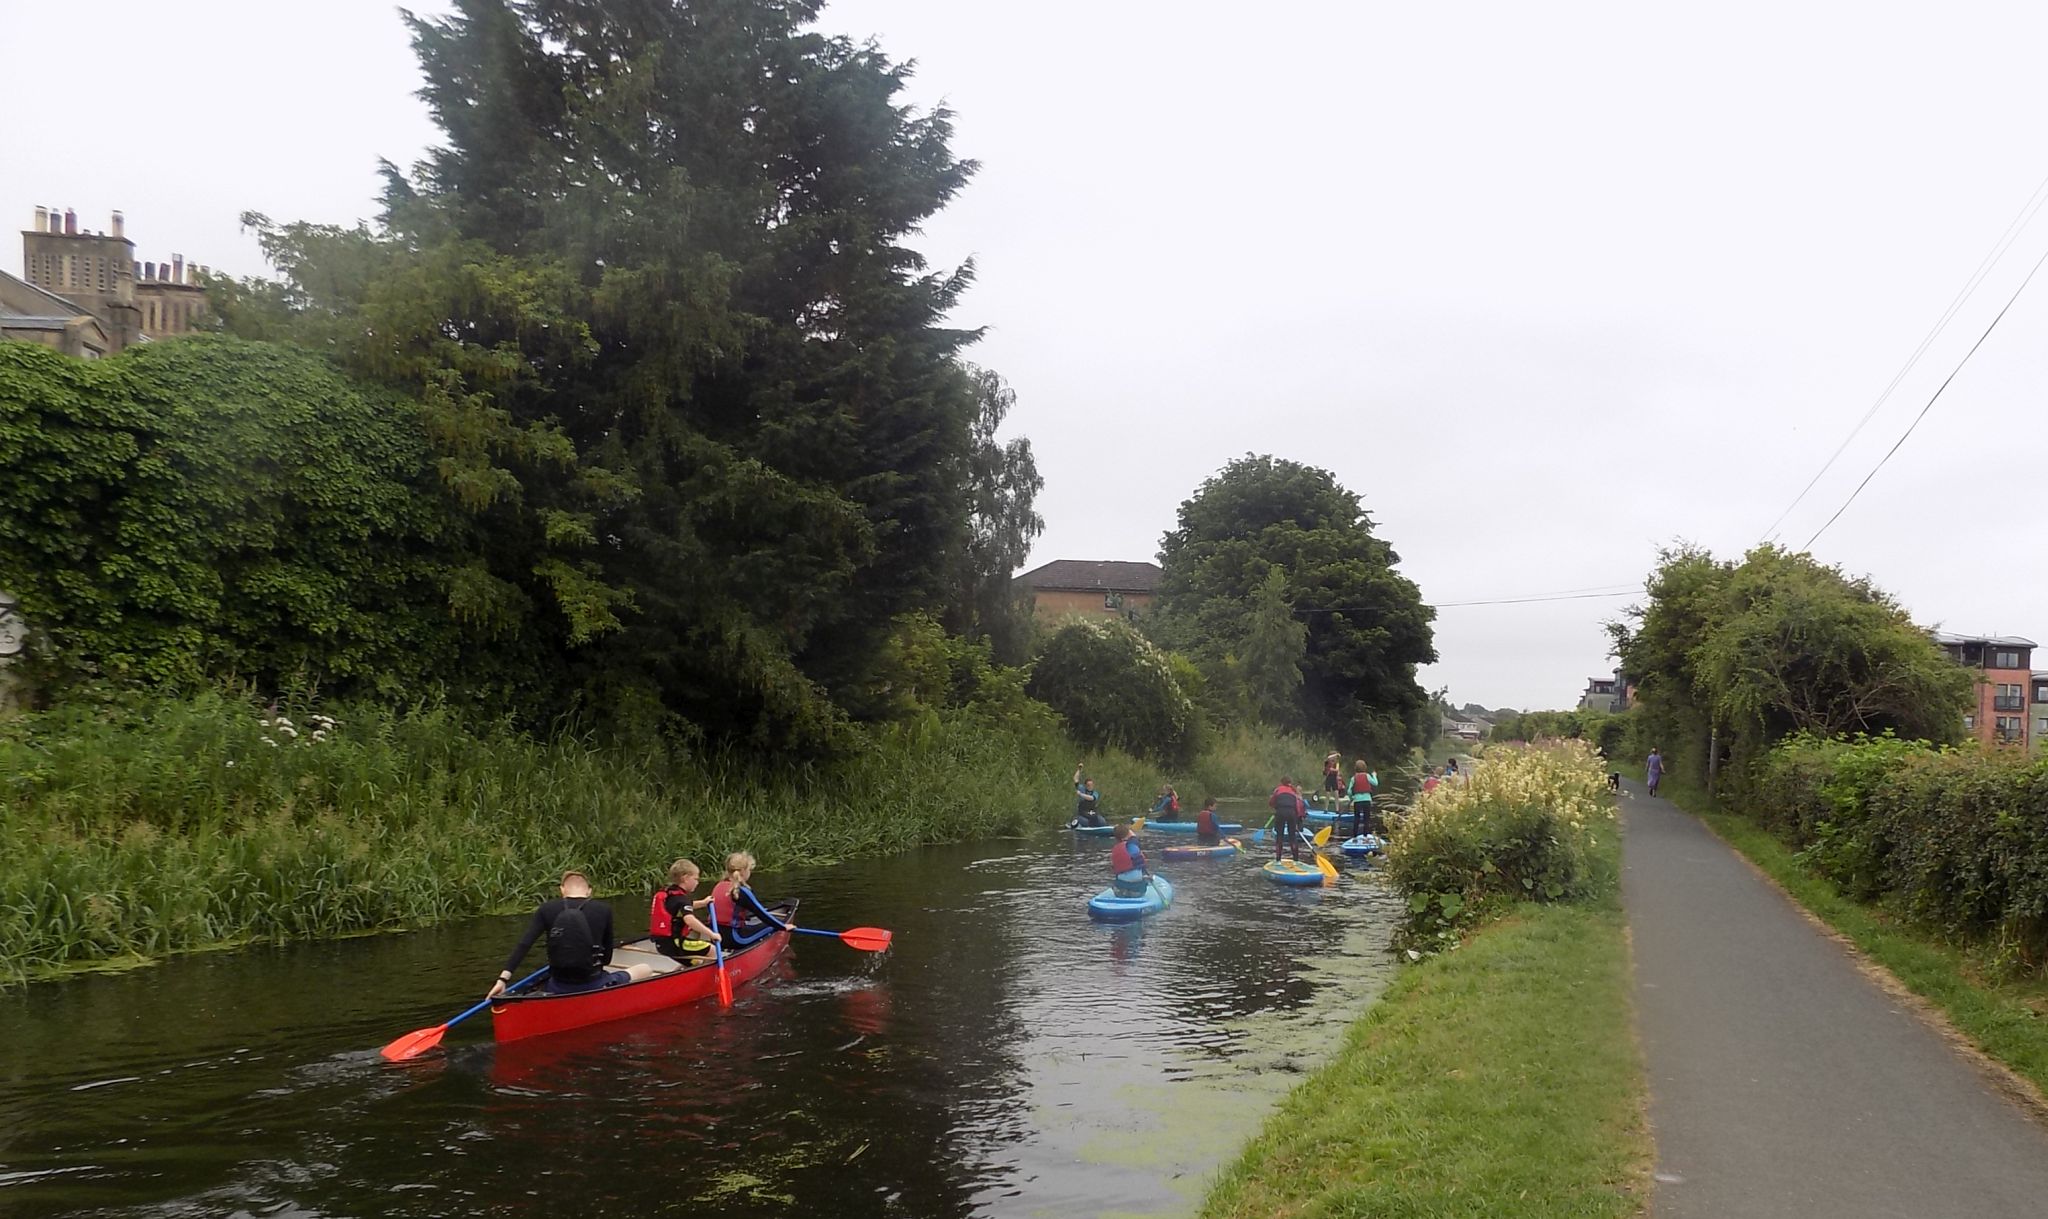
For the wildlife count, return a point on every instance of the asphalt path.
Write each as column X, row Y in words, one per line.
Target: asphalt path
column 1783, row 1081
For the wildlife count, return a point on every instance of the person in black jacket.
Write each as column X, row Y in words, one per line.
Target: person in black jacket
column 578, row 929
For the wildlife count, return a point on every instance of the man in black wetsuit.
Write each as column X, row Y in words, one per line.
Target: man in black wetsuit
column 578, row 929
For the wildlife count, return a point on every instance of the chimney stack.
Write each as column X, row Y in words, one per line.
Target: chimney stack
column 177, row 268
column 70, row 223
column 117, row 224
column 149, row 271
column 42, row 219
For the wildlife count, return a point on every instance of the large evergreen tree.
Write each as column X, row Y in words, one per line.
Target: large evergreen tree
column 681, row 368
column 1366, row 628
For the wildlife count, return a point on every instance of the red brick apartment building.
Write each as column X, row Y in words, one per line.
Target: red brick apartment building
column 2005, row 680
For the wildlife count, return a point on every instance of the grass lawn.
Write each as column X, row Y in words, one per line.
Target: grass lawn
column 1498, row 1081
column 2007, row 1018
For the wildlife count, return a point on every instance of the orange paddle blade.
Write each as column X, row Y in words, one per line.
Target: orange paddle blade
column 414, row 1044
column 724, row 988
column 867, row 939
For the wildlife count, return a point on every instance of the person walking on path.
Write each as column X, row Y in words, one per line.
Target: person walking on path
column 1784, row 1083
column 1653, row 769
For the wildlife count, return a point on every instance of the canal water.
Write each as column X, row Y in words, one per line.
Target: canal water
column 1005, row 1058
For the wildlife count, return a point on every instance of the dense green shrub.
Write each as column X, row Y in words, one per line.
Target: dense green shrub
column 1521, row 826
column 1114, row 688
column 1955, row 839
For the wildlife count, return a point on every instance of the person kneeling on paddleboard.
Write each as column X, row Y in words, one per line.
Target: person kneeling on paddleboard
column 1167, row 807
column 1128, row 874
column 1207, row 832
column 578, row 928
column 739, row 916
column 1290, row 811
column 670, row 924
column 1087, row 804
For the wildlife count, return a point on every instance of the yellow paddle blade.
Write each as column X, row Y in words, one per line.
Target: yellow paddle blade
column 1323, row 836
column 1329, row 873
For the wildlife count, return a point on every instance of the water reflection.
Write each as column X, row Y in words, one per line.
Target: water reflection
column 1007, row 1057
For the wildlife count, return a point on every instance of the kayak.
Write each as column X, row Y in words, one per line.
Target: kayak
column 1364, row 845
column 1222, row 850
column 1293, row 872
column 1095, row 829
column 1319, row 817
column 516, row 1017
column 1109, row 907
column 1188, row 827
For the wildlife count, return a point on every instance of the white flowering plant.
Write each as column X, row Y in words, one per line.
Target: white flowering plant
column 1521, row 827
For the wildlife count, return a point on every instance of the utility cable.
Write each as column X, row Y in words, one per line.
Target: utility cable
column 2013, row 228
column 1930, row 402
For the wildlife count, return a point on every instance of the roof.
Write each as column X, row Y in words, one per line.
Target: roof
column 40, row 303
column 1996, row 641
column 1093, row 575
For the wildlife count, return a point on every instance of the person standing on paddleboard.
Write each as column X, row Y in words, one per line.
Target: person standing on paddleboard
column 1363, row 782
column 1333, row 778
column 1289, row 813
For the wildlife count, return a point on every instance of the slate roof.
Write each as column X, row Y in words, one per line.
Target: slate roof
column 1996, row 641
column 49, row 304
column 1093, row 576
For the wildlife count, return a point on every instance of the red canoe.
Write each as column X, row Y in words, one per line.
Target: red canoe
column 530, row 1015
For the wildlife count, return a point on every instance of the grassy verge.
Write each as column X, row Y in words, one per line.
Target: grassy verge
column 2004, row 1017
column 1501, row 1080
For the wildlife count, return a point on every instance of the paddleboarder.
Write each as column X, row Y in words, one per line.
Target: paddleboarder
column 1363, row 781
column 1207, row 832
column 1128, row 874
column 1087, row 803
column 1289, row 813
column 1167, row 807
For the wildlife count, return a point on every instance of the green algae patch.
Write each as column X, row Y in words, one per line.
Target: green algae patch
column 1500, row 1080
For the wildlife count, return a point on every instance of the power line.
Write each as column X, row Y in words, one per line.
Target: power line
column 2020, row 220
column 1930, row 402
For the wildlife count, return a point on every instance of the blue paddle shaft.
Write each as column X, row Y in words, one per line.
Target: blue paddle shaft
column 486, row 1003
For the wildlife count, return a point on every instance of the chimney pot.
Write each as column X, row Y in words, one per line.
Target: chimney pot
column 70, row 222
column 177, row 268
column 42, row 219
column 117, row 224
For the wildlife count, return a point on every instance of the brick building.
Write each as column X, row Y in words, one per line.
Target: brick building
column 97, row 274
column 1089, row 588
column 2003, row 665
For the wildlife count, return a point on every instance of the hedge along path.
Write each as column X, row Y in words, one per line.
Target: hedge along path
column 1498, row 1081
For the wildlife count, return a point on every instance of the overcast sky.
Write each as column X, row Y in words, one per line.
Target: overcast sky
column 1549, row 285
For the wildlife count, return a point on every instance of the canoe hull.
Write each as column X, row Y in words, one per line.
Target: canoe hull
column 1222, row 850
column 1292, row 873
column 1107, row 907
column 522, row 1016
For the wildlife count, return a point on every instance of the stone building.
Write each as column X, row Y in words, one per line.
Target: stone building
column 97, row 273
column 29, row 314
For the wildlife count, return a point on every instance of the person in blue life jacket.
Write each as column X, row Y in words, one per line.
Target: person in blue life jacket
column 578, row 929
column 1128, row 874
column 1363, row 782
column 1290, row 813
column 1087, row 803
column 1167, row 807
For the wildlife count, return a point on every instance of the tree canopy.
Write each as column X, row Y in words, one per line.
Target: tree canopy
column 688, row 385
column 1777, row 644
column 1265, row 537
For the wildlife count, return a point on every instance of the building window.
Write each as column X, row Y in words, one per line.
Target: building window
column 2041, row 693
column 2005, row 660
column 1969, row 723
column 2041, row 725
column 2011, row 696
column 2010, row 728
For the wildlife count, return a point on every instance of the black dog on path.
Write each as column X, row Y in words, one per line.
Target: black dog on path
column 1614, row 780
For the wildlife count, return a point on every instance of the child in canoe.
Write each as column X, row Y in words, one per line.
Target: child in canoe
column 1207, row 832
column 738, row 915
column 671, row 923
column 1128, row 874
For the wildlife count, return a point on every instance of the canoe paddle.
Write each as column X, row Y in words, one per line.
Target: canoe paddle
column 867, row 939
column 419, row 1041
column 1322, row 861
column 718, row 950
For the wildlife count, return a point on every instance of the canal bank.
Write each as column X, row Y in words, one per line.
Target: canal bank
column 1006, row 1057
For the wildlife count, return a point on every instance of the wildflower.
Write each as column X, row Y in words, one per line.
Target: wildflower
column 231, row 761
column 269, row 742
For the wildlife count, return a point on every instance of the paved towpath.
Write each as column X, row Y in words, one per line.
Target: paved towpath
column 1783, row 1082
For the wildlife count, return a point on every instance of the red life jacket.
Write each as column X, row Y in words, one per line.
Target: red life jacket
column 1175, row 806
column 722, row 907
column 1205, row 822
column 1120, row 860
column 659, row 923
column 1287, row 801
